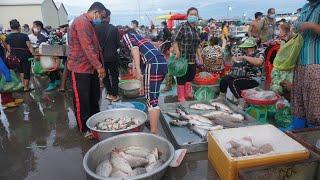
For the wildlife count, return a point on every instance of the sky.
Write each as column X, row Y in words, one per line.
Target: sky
column 123, row 11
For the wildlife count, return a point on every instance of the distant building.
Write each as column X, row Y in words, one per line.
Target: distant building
column 62, row 13
column 27, row 11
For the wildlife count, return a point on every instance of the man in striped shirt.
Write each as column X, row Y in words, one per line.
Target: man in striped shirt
column 305, row 93
column 154, row 68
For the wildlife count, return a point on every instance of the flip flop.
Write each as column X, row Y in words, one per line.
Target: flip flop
column 88, row 135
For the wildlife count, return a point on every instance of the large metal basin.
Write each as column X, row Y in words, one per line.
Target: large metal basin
column 116, row 113
column 103, row 149
column 130, row 88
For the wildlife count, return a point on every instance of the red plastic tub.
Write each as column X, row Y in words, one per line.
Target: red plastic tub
column 212, row 80
column 259, row 102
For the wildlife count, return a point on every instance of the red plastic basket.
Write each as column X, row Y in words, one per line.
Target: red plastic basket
column 209, row 81
column 259, row 102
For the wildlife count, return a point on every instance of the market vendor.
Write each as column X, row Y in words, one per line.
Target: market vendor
column 186, row 42
column 153, row 72
column 244, row 72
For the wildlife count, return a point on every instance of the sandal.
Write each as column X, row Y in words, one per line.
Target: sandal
column 109, row 97
column 115, row 98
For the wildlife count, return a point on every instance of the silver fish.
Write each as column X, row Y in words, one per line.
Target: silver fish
column 138, row 171
column 224, row 115
column 137, row 151
column 179, row 123
column 210, row 128
column 121, row 164
column 174, row 115
column 152, row 167
column 200, row 132
column 201, row 106
column 104, row 169
column 221, row 107
column 199, row 118
column 224, row 123
column 134, row 161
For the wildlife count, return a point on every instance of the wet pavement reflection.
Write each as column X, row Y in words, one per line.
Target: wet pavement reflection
column 40, row 140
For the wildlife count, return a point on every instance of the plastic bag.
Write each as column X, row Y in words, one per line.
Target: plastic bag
column 283, row 117
column 13, row 85
column 178, row 67
column 288, row 53
column 37, row 68
column 205, row 94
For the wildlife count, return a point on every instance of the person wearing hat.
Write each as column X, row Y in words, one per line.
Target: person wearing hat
column 244, row 72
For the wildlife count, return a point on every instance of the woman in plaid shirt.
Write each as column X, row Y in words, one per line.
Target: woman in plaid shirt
column 154, row 71
column 186, row 42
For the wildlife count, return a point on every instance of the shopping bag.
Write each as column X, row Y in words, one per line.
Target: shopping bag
column 177, row 67
column 288, row 54
column 13, row 85
column 36, row 67
column 204, row 94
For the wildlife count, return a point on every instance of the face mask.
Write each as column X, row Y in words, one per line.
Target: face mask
column 96, row 21
column 193, row 19
column 272, row 16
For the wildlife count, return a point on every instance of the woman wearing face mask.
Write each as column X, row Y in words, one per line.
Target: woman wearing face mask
column 244, row 72
column 186, row 42
column 280, row 79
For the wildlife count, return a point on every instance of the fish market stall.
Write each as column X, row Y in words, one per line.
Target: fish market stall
column 186, row 125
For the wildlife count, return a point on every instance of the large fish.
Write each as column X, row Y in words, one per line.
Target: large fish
column 104, row 169
column 199, row 118
column 224, row 115
column 137, row 151
column 179, row 123
column 200, row 132
column 221, row 107
column 138, row 171
column 134, row 161
column 121, row 164
column 153, row 166
column 210, row 128
column 119, row 174
column 201, row 106
column 224, row 123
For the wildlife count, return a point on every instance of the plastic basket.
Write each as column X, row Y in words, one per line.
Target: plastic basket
column 259, row 102
column 209, row 81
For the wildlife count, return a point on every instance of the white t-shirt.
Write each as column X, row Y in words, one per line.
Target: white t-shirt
column 33, row 38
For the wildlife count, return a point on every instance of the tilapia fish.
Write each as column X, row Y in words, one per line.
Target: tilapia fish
column 137, row 151
column 225, row 116
column 134, row 161
column 200, row 132
column 121, row 164
column 221, row 107
column 104, row 169
column 201, row 106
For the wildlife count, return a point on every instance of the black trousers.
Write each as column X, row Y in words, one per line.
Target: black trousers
column 191, row 73
column 86, row 89
column 25, row 68
column 237, row 84
column 111, row 81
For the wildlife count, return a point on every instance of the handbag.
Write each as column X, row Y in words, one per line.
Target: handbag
column 12, row 61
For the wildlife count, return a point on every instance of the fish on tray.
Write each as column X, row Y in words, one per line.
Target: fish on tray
column 130, row 161
column 221, row 107
column 224, row 115
column 201, row 106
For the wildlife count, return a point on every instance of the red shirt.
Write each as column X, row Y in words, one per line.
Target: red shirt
column 84, row 49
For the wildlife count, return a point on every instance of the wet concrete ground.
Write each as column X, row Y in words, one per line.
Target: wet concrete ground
column 40, row 140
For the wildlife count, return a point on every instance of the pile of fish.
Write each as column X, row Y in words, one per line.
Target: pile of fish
column 130, row 161
column 219, row 116
column 111, row 124
column 246, row 147
column 260, row 94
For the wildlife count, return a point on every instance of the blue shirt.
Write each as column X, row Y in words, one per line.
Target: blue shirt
column 147, row 50
column 310, row 52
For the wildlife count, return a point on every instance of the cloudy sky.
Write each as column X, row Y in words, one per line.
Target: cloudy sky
column 125, row 10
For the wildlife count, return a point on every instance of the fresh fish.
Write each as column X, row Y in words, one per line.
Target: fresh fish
column 153, row 166
column 138, row 171
column 224, row 123
column 111, row 124
column 155, row 152
column 179, row 123
column 200, row 119
column 200, row 106
column 137, row 151
column 119, row 174
column 134, row 161
column 104, row 169
column 151, row 158
column 121, row 164
column 221, row 107
column 183, row 109
column 200, row 132
column 224, row 115
column 174, row 115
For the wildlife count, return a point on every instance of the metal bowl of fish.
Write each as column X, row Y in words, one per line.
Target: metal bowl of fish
column 129, row 156
column 112, row 122
column 130, row 88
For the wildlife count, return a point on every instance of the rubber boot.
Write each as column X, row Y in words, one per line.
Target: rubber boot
column 188, row 90
column 181, row 96
column 168, row 86
column 51, row 87
column 57, row 83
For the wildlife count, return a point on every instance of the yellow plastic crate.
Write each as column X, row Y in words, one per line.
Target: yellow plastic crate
column 227, row 166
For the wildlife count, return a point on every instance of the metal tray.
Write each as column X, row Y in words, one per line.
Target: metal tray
column 183, row 137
